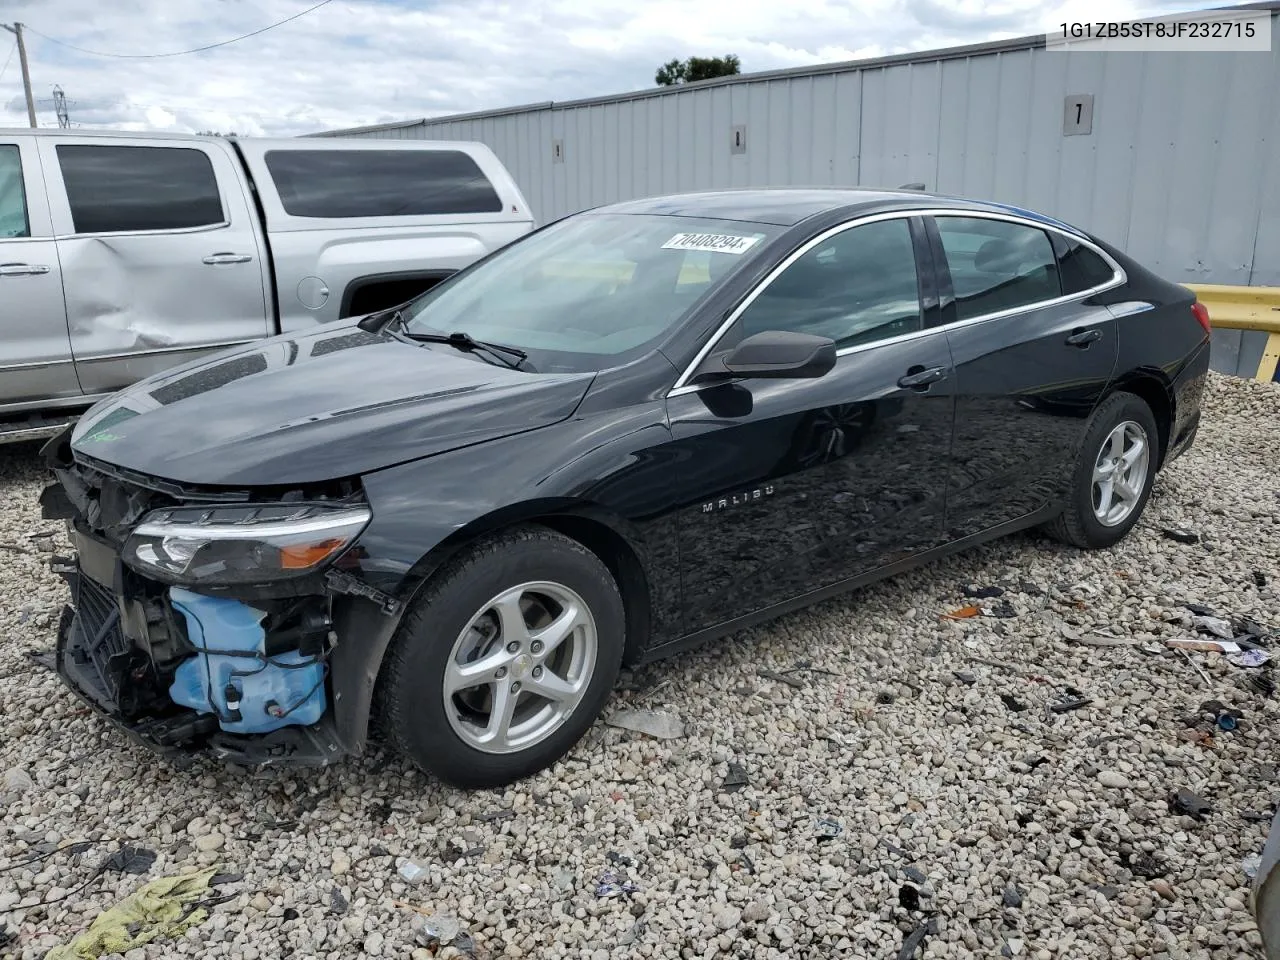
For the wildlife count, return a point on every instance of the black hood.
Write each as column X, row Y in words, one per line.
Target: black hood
column 334, row 403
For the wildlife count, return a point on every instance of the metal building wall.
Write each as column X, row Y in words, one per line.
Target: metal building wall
column 1181, row 168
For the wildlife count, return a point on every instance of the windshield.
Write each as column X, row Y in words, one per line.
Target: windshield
column 591, row 291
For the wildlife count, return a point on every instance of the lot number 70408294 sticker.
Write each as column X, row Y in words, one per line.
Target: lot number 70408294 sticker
column 713, row 242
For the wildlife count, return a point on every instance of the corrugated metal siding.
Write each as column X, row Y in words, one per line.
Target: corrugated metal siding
column 1181, row 169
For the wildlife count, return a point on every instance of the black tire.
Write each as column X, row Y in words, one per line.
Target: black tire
column 413, row 708
column 1078, row 525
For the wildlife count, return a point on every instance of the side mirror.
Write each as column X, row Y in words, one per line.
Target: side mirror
column 782, row 354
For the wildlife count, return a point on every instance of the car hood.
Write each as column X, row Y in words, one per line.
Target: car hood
column 337, row 402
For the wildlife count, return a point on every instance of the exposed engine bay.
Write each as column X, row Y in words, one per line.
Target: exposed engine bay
column 203, row 619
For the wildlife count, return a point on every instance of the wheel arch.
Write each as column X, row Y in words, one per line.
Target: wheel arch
column 1153, row 388
column 357, row 667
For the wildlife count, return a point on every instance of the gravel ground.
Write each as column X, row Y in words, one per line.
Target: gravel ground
column 1000, row 831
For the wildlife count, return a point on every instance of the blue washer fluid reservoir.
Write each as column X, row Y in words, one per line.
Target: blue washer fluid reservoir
column 231, row 676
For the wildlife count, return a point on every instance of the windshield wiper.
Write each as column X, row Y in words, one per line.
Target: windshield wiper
column 509, row 356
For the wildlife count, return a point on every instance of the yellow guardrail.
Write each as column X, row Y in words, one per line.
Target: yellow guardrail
column 1245, row 308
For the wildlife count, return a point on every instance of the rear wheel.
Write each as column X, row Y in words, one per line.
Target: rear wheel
column 506, row 660
column 1112, row 478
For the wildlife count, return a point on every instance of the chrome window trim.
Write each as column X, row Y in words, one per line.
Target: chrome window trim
column 682, row 385
column 156, row 351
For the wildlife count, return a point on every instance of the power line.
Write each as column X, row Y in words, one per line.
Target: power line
column 178, row 53
column 9, row 60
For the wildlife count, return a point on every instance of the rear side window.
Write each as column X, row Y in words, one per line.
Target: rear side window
column 115, row 188
column 1081, row 268
column 13, row 200
column 996, row 265
column 336, row 184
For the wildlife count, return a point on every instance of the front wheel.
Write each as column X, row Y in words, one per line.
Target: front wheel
column 1112, row 477
column 506, row 660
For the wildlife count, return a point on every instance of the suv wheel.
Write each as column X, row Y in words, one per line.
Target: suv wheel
column 506, row 660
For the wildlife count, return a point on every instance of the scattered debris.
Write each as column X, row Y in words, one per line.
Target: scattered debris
column 964, row 677
column 1251, row 865
column 611, row 884
column 1199, row 609
column 736, row 777
column 1259, row 579
column 1180, row 536
column 135, row 860
column 981, row 593
column 908, row 897
column 1261, row 684
column 1196, row 667
column 1011, row 897
column 1257, row 816
column 916, row 939
column 915, row 874
column 412, row 871
column 495, row 816
column 439, row 928
column 1069, row 703
column 1188, row 803
column 1249, row 658
column 884, row 698
column 1013, row 703
column 337, row 902
column 43, row 658
column 290, row 914
column 828, row 830
column 1031, row 762
column 663, row 726
column 1227, row 722
column 964, row 613
column 1253, row 629
column 162, row 909
column 1003, row 610
column 1145, row 865
column 1203, row 645
column 781, row 678
column 1216, row 626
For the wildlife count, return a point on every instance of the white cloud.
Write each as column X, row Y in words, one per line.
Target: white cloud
column 356, row 62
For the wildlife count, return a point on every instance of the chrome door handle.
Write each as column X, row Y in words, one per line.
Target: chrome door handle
column 22, row 269
column 918, row 377
column 216, row 258
column 1082, row 338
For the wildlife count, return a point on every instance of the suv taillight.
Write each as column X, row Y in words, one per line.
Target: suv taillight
column 1201, row 313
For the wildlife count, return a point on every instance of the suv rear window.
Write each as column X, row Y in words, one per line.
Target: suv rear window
column 335, row 184
column 114, row 189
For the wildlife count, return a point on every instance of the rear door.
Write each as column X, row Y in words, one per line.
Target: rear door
column 35, row 351
column 161, row 258
column 799, row 484
column 1033, row 356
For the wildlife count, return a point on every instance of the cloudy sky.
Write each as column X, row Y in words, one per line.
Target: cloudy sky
column 354, row 62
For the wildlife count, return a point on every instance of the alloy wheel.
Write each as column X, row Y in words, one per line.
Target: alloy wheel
column 520, row 667
column 1120, row 473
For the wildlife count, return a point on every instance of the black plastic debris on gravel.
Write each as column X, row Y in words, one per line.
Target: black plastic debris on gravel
column 736, row 777
column 974, row 592
column 135, row 860
column 1185, row 802
column 1178, row 535
column 1013, row 703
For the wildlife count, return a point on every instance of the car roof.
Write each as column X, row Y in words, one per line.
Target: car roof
column 787, row 206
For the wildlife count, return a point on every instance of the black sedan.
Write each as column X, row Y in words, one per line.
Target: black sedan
column 637, row 428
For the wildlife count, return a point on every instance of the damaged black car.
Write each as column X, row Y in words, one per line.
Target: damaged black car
column 638, row 428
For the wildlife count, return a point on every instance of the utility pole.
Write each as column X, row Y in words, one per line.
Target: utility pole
column 16, row 30
column 60, row 108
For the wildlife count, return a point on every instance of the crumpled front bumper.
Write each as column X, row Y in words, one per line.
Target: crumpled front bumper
column 93, row 657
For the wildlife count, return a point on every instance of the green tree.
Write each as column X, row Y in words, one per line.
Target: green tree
column 697, row 68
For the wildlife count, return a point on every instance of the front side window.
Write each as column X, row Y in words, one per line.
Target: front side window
column 121, row 189
column 996, row 265
column 337, row 184
column 856, row 287
column 13, row 199
column 593, row 290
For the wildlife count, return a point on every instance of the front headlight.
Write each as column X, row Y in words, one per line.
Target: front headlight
column 241, row 543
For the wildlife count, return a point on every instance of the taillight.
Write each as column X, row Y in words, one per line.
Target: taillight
column 1201, row 313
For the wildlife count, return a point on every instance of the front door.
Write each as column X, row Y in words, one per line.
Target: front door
column 35, row 351
column 1033, row 356
column 798, row 484
column 160, row 255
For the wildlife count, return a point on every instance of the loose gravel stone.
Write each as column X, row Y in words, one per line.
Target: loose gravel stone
column 945, row 778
